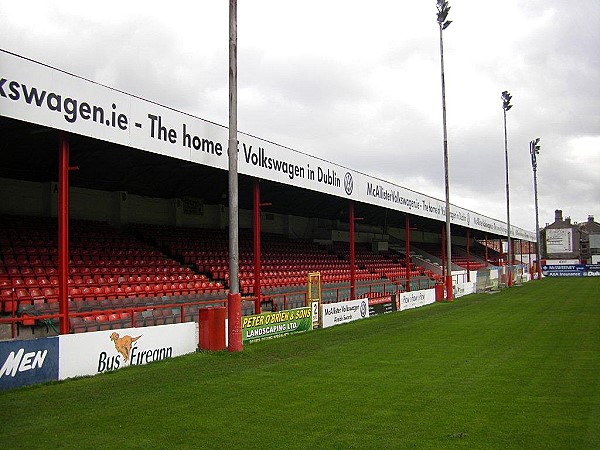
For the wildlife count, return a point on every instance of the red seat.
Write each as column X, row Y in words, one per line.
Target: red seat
column 87, row 293
column 50, row 294
column 28, row 321
column 183, row 289
column 23, row 296
column 39, row 272
column 140, row 290
column 99, row 293
column 125, row 316
column 43, row 282
column 77, row 325
column 75, row 294
column 36, row 295
column 6, row 297
column 90, row 323
column 191, row 288
column 158, row 290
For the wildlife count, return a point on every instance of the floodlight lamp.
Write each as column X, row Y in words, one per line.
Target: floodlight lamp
column 443, row 10
column 446, row 24
column 506, row 97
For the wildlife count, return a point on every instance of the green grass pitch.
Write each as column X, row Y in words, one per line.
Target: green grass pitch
column 518, row 369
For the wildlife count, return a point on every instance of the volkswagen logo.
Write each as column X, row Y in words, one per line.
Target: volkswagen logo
column 348, row 183
column 363, row 308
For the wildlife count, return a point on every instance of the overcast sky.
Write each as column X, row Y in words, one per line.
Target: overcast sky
column 358, row 83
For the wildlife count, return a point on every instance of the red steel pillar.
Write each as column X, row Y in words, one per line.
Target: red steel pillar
column 444, row 254
column 352, row 266
column 256, row 228
column 486, row 251
column 529, row 257
column 447, row 276
column 510, row 249
column 468, row 255
column 502, row 263
column 521, row 250
column 529, row 266
column 407, row 253
column 63, row 232
column 538, row 262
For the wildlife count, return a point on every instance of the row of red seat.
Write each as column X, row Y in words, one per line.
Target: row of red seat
column 99, row 322
column 98, row 280
column 83, row 271
column 467, row 264
column 89, row 249
column 14, row 298
column 89, row 261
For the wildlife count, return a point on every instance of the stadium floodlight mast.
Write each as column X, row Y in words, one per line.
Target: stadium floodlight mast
column 443, row 9
column 234, row 303
column 506, row 97
column 534, row 150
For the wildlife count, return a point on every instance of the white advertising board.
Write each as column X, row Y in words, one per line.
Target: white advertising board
column 561, row 262
column 559, row 240
column 462, row 289
column 343, row 312
column 416, row 299
column 102, row 351
column 41, row 94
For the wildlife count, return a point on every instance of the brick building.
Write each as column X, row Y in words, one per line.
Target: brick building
column 565, row 240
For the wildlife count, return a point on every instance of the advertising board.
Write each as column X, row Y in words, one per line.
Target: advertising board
column 28, row 362
column 103, row 351
column 344, row 312
column 559, row 240
column 416, row 299
column 571, row 270
column 383, row 305
column 276, row 324
column 461, row 289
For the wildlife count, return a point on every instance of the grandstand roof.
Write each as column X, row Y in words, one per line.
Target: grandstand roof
column 112, row 158
column 30, row 152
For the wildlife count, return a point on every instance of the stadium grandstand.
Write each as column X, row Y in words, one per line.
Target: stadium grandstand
column 147, row 216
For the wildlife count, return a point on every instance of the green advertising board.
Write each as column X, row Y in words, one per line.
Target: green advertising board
column 275, row 324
